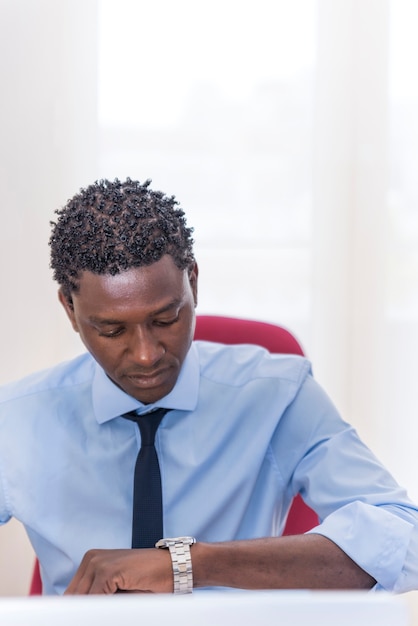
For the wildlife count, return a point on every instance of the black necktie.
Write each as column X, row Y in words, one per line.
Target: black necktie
column 147, row 519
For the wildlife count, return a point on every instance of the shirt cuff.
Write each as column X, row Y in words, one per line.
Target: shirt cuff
column 372, row 537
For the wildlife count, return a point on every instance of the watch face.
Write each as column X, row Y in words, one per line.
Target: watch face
column 171, row 541
column 187, row 540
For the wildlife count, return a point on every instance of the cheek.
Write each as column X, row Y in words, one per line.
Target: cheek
column 102, row 352
column 185, row 337
column 107, row 359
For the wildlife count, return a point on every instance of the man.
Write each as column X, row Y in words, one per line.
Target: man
column 244, row 432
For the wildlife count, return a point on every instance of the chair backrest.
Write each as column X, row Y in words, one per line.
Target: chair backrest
column 36, row 582
column 232, row 330
column 276, row 339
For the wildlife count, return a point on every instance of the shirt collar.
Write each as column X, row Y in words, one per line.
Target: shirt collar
column 109, row 401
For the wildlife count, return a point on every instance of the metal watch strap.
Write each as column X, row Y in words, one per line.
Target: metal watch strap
column 181, row 561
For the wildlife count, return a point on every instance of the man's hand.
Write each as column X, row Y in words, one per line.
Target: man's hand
column 110, row 571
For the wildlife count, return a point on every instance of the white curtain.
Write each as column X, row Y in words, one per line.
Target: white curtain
column 288, row 132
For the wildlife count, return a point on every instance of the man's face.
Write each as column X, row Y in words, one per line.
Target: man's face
column 138, row 324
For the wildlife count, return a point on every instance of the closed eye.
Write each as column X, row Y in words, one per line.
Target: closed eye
column 112, row 333
column 166, row 322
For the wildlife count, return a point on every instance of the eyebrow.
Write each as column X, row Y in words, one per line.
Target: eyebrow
column 98, row 321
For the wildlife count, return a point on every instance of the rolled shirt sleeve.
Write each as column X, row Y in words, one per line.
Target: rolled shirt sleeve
column 375, row 538
column 361, row 507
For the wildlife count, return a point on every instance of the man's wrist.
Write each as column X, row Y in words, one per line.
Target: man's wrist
column 181, row 560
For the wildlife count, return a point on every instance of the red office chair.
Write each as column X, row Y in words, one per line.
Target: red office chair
column 276, row 339
column 231, row 330
column 36, row 582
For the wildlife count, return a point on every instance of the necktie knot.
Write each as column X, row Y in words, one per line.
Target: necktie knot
column 148, row 424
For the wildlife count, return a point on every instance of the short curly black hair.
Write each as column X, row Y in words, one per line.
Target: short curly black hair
column 112, row 226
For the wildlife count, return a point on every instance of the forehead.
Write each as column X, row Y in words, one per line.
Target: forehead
column 152, row 287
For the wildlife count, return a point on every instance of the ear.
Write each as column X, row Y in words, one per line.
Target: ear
column 193, row 274
column 67, row 303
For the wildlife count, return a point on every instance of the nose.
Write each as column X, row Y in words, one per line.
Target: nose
column 144, row 348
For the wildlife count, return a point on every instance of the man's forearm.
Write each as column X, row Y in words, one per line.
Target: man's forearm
column 296, row 562
column 299, row 562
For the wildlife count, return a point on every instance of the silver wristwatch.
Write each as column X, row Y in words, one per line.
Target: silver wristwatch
column 181, row 560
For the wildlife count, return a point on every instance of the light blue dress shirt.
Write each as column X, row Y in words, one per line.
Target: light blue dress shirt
column 247, row 431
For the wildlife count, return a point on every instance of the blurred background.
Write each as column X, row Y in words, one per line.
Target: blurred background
column 288, row 131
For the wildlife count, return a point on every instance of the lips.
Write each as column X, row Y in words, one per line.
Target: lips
column 151, row 379
column 148, row 386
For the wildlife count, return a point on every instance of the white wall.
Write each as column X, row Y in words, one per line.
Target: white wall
column 48, row 150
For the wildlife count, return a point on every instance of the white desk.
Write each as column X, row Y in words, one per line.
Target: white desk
column 255, row 608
